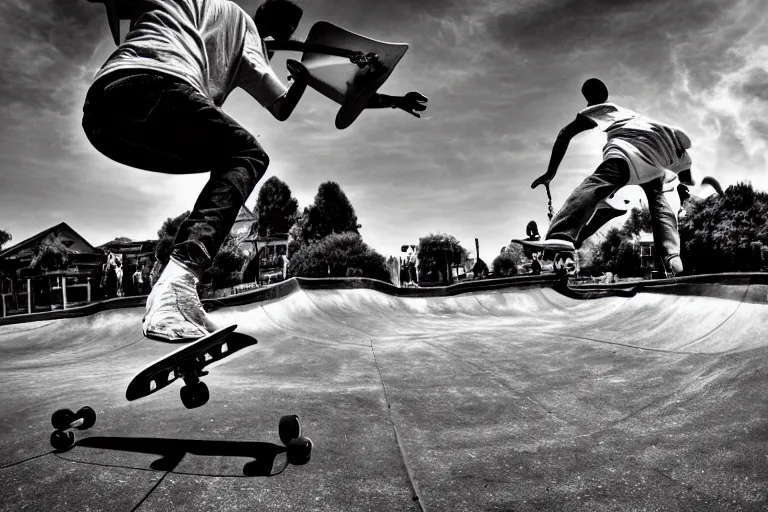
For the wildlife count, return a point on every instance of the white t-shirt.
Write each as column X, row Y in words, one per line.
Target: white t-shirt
column 213, row 45
column 650, row 147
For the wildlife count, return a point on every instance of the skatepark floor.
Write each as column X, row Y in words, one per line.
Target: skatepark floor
column 510, row 399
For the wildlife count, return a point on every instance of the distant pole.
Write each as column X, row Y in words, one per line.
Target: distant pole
column 477, row 249
column 88, row 291
column 29, row 295
column 63, row 292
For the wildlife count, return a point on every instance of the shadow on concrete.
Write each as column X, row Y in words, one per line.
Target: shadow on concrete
column 172, row 451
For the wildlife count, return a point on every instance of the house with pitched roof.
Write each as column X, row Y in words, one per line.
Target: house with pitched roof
column 28, row 286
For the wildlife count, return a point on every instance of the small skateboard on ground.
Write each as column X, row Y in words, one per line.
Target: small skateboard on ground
column 564, row 262
column 64, row 420
column 188, row 363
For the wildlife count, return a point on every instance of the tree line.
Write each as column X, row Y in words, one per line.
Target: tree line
column 725, row 232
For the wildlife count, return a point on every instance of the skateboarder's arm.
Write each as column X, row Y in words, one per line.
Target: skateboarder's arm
column 258, row 79
column 412, row 102
column 283, row 107
column 575, row 127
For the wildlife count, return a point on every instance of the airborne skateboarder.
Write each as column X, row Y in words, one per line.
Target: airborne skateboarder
column 155, row 105
column 639, row 151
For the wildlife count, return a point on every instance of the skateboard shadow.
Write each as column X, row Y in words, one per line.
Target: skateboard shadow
column 172, row 451
column 236, row 340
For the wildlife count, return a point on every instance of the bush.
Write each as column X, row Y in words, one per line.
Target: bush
column 226, row 268
column 717, row 232
column 506, row 264
column 338, row 255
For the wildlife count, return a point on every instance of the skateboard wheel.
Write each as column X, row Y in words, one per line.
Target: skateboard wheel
column 195, row 395
column 289, row 428
column 62, row 419
column 62, row 440
column 89, row 417
column 299, row 451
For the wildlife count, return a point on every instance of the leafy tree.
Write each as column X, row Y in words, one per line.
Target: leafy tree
column 51, row 254
column 615, row 251
column 717, row 232
column 275, row 207
column 515, row 251
column 5, row 237
column 588, row 261
column 296, row 235
column 438, row 250
column 227, row 266
column 338, row 255
column 331, row 212
column 639, row 221
column 121, row 240
column 506, row 264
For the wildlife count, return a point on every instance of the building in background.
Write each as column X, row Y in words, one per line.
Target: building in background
column 245, row 230
column 268, row 259
column 30, row 285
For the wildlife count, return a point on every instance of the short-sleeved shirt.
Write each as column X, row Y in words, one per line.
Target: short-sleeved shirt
column 213, row 45
column 650, row 147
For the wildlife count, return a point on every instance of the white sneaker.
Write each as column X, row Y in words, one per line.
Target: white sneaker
column 174, row 311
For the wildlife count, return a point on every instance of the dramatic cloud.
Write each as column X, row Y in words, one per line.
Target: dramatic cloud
column 502, row 79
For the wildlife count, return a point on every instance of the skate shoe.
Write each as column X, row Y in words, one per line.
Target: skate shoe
column 174, row 311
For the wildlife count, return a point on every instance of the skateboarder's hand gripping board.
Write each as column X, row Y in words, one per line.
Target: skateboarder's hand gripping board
column 298, row 73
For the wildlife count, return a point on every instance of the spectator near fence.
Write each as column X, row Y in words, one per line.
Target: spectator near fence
column 137, row 280
column 146, row 285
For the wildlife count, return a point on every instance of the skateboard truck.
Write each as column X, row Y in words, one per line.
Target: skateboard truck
column 366, row 59
column 194, row 393
column 362, row 59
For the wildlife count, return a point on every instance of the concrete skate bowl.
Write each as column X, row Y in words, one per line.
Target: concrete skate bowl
column 515, row 394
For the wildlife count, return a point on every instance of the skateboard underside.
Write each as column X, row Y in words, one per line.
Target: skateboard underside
column 343, row 81
column 188, row 362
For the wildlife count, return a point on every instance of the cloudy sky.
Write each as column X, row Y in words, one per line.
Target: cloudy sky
column 502, row 77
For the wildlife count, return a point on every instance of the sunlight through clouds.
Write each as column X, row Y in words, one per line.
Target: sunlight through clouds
column 502, row 79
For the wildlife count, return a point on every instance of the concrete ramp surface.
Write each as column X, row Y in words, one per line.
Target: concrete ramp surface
column 497, row 395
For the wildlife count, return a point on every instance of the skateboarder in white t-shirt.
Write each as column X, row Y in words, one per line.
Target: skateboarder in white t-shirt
column 156, row 105
column 639, row 151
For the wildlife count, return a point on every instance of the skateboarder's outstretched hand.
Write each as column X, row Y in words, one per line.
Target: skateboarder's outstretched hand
column 298, row 73
column 544, row 179
column 412, row 103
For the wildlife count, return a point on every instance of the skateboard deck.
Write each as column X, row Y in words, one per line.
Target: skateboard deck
column 188, row 363
column 564, row 262
column 349, row 84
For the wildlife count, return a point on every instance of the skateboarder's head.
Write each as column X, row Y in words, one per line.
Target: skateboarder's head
column 594, row 91
column 278, row 18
